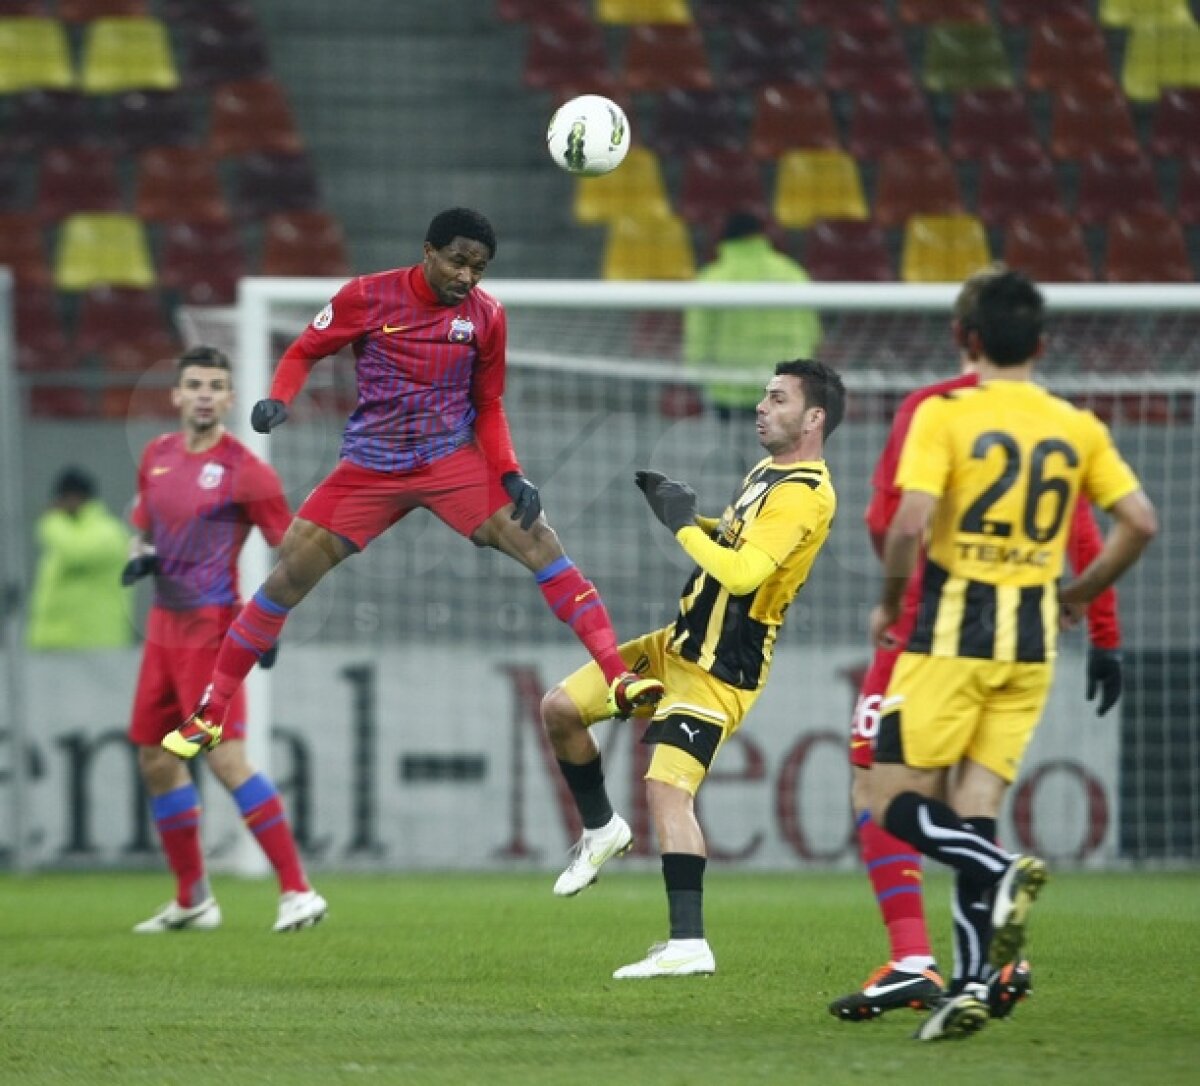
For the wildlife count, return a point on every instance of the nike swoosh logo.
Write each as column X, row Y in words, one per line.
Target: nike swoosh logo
column 159, row 471
column 910, row 872
column 584, row 595
column 676, row 963
column 389, row 329
column 896, row 986
column 856, row 743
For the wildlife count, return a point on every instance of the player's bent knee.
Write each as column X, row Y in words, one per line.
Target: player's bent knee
column 560, row 717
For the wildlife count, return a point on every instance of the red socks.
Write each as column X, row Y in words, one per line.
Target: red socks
column 262, row 811
column 576, row 601
column 177, row 819
column 255, row 630
column 895, row 873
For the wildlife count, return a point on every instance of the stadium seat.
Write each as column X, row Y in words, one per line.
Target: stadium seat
column 266, row 184
column 943, row 248
column 890, row 119
column 837, row 13
column 252, row 115
column 791, row 116
column 1086, row 119
column 1175, row 132
column 916, row 182
column 11, row 188
column 844, row 251
column 637, row 189
column 1064, row 51
column 626, row 12
column 767, row 53
column 545, row 12
column 84, row 11
column 202, row 262
column 102, row 249
column 755, row 13
column 77, row 179
column 1028, row 12
column 220, row 51
column 178, row 183
column 34, row 52
column 924, row 12
column 127, row 53
column 23, row 250
column 22, row 7
column 1113, row 184
column 856, row 57
column 304, row 243
column 41, row 336
column 964, row 56
column 1146, row 247
column 987, row 119
column 1125, row 13
column 1017, row 179
column 128, row 329
column 49, row 118
column 688, row 120
column 1187, row 208
column 717, row 183
column 812, row 185
column 1157, row 57
column 650, row 248
column 1049, row 247
column 663, row 58
column 225, row 15
column 561, row 60
column 142, row 119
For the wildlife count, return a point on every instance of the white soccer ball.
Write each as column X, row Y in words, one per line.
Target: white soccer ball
column 588, row 135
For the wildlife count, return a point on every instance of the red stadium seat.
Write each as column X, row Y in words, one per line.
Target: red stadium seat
column 51, row 118
column 84, row 11
column 1176, row 130
column 984, row 120
column 1066, row 51
column 1146, row 247
column 765, row 53
column 843, row 251
column 23, row 250
column 915, row 182
column 225, row 47
column 690, row 120
column 1029, row 12
column 856, row 58
column 754, row 13
column 716, row 183
column 563, row 13
column 837, row 13
column 203, row 262
column 41, row 336
column 890, row 120
column 1087, row 118
column 127, row 329
column 1188, row 206
column 1048, row 247
column 562, row 60
column 267, row 184
column 791, row 116
column 143, row 119
column 77, row 179
column 179, row 183
column 252, row 115
column 665, row 57
column 1111, row 185
column 1015, row 180
column 304, row 243
column 925, row 12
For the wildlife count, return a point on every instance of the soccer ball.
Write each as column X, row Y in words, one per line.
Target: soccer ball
column 588, row 135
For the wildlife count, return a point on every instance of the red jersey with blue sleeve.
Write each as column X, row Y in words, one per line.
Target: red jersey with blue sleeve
column 430, row 376
column 197, row 510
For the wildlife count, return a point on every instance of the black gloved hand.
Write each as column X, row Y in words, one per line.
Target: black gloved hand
column 267, row 660
column 137, row 568
column 525, row 498
column 1103, row 677
column 267, row 414
column 674, row 503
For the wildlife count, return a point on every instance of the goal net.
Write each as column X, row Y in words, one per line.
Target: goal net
column 405, row 701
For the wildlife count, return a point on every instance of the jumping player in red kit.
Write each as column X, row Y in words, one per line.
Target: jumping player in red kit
column 910, row 978
column 429, row 431
column 199, row 493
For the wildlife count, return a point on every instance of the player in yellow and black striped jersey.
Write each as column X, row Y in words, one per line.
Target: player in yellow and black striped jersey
column 714, row 659
column 989, row 477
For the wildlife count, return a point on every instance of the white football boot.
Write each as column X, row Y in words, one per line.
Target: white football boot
column 674, row 958
column 175, row 917
column 299, row 909
column 592, row 850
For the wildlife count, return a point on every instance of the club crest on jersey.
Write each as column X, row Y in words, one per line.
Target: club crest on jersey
column 323, row 319
column 462, row 330
column 211, row 476
column 752, row 495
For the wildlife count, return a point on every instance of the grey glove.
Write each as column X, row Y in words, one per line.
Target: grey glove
column 525, row 498
column 267, row 414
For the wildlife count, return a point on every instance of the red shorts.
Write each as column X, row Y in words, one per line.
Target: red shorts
column 865, row 724
column 358, row 504
column 177, row 664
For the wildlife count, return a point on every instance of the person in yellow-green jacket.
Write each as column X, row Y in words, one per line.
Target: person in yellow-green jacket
column 77, row 600
column 746, row 339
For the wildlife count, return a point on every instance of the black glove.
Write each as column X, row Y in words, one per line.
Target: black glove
column 673, row 503
column 267, row 660
column 137, row 568
column 1103, row 677
column 525, row 498
column 267, row 414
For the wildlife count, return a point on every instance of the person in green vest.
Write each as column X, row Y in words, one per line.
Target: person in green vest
column 77, row 600
column 746, row 339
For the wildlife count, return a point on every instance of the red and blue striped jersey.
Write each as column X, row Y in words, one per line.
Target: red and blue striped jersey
column 430, row 376
column 197, row 510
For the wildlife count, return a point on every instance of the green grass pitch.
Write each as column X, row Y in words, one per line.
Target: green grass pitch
column 490, row 979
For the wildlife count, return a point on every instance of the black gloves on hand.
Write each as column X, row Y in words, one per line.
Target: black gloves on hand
column 1103, row 677
column 267, row 660
column 673, row 503
column 267, row 414
column 137, row 568
column 524, row 496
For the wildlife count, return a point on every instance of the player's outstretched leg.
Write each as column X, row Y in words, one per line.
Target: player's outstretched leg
column 591, row 852
column 200, row 732
column 1007, row 987
column 1015, row 895
column 888, row 989
column 630, row 694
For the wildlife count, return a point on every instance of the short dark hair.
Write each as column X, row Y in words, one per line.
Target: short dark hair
column 74, row 481
column 461, row 222
column 1008, row 318
column 202, row 355
column 822, row 387
column 968, row 296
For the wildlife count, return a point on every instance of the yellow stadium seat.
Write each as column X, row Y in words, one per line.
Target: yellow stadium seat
column 102, row 249
column 653, row 247
column 636, row 189
column 1128, row 12
column 813, row 185
column 1160, row 56
column 643, row 11
column 34, row 52
column 943, row 248
column 125, row 54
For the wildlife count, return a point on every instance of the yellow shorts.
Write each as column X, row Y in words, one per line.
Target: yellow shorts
column 691, row 722
column 939, row 710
